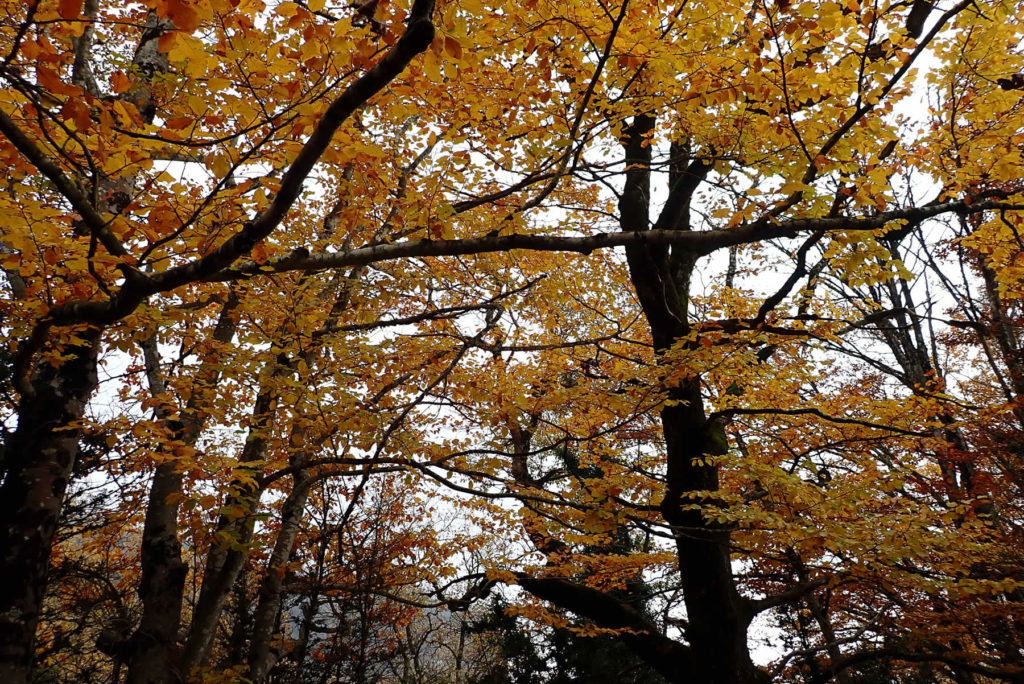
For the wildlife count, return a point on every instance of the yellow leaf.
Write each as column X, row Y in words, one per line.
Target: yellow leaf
column 431, row 66
column 217, row 84
column 453, row 47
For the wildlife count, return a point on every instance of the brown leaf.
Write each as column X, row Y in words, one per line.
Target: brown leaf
column 70, row 9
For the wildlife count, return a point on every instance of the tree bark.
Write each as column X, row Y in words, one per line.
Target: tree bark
column 717, row 615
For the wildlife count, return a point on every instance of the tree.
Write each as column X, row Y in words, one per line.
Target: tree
column 39, row 455
column 351, row 243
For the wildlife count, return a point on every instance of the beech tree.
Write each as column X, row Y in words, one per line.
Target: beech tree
column 547, row 274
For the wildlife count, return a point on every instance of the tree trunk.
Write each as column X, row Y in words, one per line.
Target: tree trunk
column 717, row 616
column 261, row 659
column 152, row 656
column 154, row 653
column 242, row 627
column 38, row 458
column 228, row 548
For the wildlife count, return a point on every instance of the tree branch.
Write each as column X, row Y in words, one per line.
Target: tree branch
column 671, row 658
column 700, row 243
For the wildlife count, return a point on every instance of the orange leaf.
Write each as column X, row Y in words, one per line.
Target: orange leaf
column 178, row 122
column 166, row 41
column 183, row 15
column 50, row 80
column 77, row 111
column 259, row 253
column 119, row 83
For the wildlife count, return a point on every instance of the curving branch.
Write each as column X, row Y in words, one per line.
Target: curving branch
column 671, row 658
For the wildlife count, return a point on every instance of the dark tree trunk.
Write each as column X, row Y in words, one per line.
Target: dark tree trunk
column 38, row 458
column 242, row 627
column 717, row 616
column 153, row 658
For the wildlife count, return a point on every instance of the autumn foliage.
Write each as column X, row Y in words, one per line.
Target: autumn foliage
column 685, row 326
